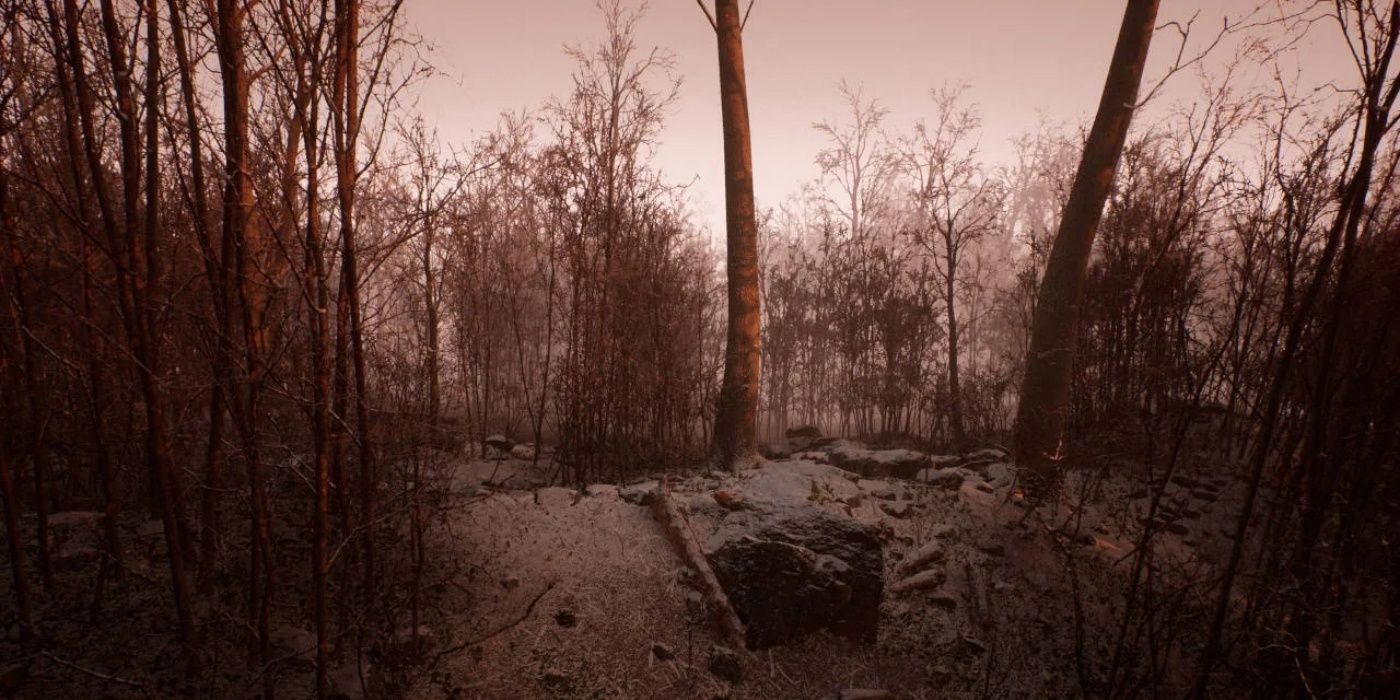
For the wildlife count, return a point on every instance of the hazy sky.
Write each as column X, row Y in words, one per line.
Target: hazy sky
column 1024, row 59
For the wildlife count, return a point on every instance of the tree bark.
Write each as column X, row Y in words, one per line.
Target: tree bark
column 1045, row 391
column 736, row 419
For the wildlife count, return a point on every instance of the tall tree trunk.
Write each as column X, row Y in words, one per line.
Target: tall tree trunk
column 1045, row 392
column 237, row 207
column 146, row 267
column 218, row 292
column 317, row 300
column 736, row 420
column 96, row 390
column 955, row 404
column 346, row 123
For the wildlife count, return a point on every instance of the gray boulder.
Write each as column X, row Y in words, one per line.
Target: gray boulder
column 793, row 569
column 499, row 442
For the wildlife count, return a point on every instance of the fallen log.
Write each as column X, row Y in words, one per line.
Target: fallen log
column 674, row 523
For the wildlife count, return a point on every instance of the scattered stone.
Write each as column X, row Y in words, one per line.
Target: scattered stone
column 932, row 552
column 775, row 450
column 510, row 582
column 999, row 473
column 879, row 488
column 943, row 599
column 525, row 451
column 729, row 499
column 989, row 453
column 499, row 442
column 637, row 494
column 662, row 652
column 928, row 578
column 802, row 437
column 565, row 618
column 724, row 664
column 995, row 549
column 973, row 644
column 695, row 605
column 946, row 477
column 896, row 510
column 903, row 464
column 978, row 464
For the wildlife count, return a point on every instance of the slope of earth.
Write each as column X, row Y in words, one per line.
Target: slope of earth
column 577, row 594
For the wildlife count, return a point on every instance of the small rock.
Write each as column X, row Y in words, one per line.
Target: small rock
column 999, row 473
column 896, row 510
column 499, row 442
column 510, row 582
column 695, row 605
column 730, row 500
column 555, row 679
column 524, row 451
column 775, row 450
column 995, row 549
column 662, row 652
column 565, row 618
column 879, row 488
column 637, row 494
column 931, row 552
column 943, row 599
column 928, row 578
column 947, row 477
column 724, row 664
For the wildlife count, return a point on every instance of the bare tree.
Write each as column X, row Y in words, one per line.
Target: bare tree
column 736, row 422
column 1045, row 392
column 957, row 204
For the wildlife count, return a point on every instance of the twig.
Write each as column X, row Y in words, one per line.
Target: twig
column 98, row 675
column 708, row 16
column 519, row 619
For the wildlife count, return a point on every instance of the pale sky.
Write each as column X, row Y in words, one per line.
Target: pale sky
column 1025, row 60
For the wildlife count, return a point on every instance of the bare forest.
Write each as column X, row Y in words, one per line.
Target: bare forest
column 300, row 397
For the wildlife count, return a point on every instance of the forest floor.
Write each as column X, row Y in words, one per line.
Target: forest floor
column 537, row 591
column 573, row 593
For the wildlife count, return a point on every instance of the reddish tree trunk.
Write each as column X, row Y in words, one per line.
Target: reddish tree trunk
column 736, row 419
column 1045, row 392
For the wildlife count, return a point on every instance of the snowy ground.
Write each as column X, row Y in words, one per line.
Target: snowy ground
column 577, row 594
column 547, row 592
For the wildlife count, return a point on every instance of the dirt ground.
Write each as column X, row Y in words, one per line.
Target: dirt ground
column 548, row 592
